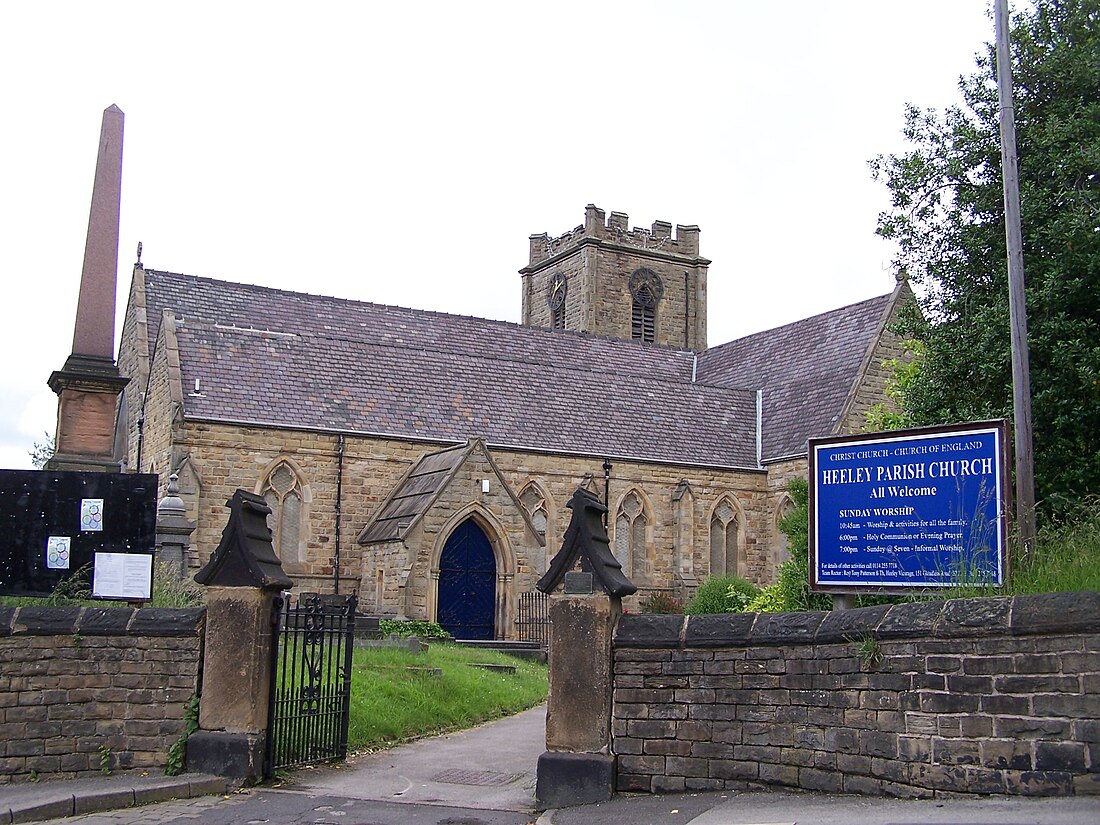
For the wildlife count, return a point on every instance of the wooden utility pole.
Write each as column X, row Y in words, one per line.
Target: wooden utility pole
column 1017, row 300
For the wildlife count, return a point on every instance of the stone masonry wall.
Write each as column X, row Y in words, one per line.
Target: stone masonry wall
column 82, row 689
column 226, row 457
column 998, row 695
column 597, row 259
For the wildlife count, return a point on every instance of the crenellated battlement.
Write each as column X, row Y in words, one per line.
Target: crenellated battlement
column 616, row 229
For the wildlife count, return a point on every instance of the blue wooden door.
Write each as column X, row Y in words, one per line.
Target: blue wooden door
column 467, row 584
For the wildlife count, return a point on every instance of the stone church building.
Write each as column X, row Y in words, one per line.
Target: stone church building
column 423, row 460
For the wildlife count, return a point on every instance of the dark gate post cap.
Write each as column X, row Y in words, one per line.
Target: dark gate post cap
column 586, row 537
column 245, row 557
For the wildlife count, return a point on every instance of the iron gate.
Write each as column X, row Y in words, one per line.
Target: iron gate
column 310, row 680
column 533, row 617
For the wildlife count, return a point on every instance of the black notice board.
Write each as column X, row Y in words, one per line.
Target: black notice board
column 36, row 505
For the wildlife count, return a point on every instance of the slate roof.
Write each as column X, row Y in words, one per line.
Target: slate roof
column 278, row 358
column 414, row 494
column 806, row 370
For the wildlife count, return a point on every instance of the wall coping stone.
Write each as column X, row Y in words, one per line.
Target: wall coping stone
column 166, row 621
column 846, row 625
column 1066, row 612
column 1030, row 614
column 719, row 630
column 101, row 621
column 105, row 621
column 916, row 618
column 975, row 617
column 46, row 621
column 786, row 628
column 634, row 630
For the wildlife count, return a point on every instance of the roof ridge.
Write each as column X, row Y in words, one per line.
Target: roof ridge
column 799, row 322
column 641, row 375
column 533, row 330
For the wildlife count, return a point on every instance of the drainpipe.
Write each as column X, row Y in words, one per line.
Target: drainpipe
column 140, row 432
column 339, row 498
column 606, row 488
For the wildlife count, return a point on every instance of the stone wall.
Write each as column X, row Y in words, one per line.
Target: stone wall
column 82, row 689
column 997, row 695
column 219, row 458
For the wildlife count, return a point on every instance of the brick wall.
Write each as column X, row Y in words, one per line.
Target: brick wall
column 82, row 685
column 983, row 696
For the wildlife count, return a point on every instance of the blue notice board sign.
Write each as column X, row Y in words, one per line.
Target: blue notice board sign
column 910, row 509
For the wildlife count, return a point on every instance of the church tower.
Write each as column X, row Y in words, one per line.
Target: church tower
column 604, row 278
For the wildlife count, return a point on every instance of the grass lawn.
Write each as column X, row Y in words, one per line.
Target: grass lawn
column 391, row 704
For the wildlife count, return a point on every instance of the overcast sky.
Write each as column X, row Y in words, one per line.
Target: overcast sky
column 402, row 153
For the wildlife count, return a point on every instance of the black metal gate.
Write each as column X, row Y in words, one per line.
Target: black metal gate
column 310, row 680
column 533, row 617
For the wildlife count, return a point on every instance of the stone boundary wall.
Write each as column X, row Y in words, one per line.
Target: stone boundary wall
column 997, row 695
column 83, row 689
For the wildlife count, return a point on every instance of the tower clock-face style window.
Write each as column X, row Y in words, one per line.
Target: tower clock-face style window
column 555, row 297
column 646, row 290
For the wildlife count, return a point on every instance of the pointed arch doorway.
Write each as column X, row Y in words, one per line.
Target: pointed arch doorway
column 467, row 583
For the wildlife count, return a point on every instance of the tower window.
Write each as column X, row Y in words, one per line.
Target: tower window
column 642, row 322
column 646, row 290
column 555, row 297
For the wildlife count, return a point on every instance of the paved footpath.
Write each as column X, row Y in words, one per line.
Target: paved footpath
column 486, row 776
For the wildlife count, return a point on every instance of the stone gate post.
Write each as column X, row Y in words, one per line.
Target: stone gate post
column 243, row 578
column 578, row 766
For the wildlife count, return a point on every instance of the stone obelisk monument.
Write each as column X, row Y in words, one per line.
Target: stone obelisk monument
column 88, row 385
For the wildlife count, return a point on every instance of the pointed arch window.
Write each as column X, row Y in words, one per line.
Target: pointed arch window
column 646, row 290
column 555, row 297
column 534, row 502
column 630, row 530
column 282, row 490
column 782, row 548
column 723, row 540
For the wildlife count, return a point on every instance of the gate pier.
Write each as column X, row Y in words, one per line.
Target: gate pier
column 244, row 579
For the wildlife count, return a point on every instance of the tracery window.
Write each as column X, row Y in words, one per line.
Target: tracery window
column 630, row 528
column 535, row 503
column 282, row 490
column 723, row 539
column 646, row 290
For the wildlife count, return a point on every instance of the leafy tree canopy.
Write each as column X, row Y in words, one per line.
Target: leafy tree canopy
column 947, row 216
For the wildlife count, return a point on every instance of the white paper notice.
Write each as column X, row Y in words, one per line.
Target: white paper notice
column 58, row 549
column 123, row 576
column 91, row 515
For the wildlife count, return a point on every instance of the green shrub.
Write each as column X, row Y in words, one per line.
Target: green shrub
column 660, row 602
column 422, row 630
column 791, row 591
column 721, row 594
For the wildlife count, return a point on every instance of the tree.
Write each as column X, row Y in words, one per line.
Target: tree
column 947, row 216
column 42, row 451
